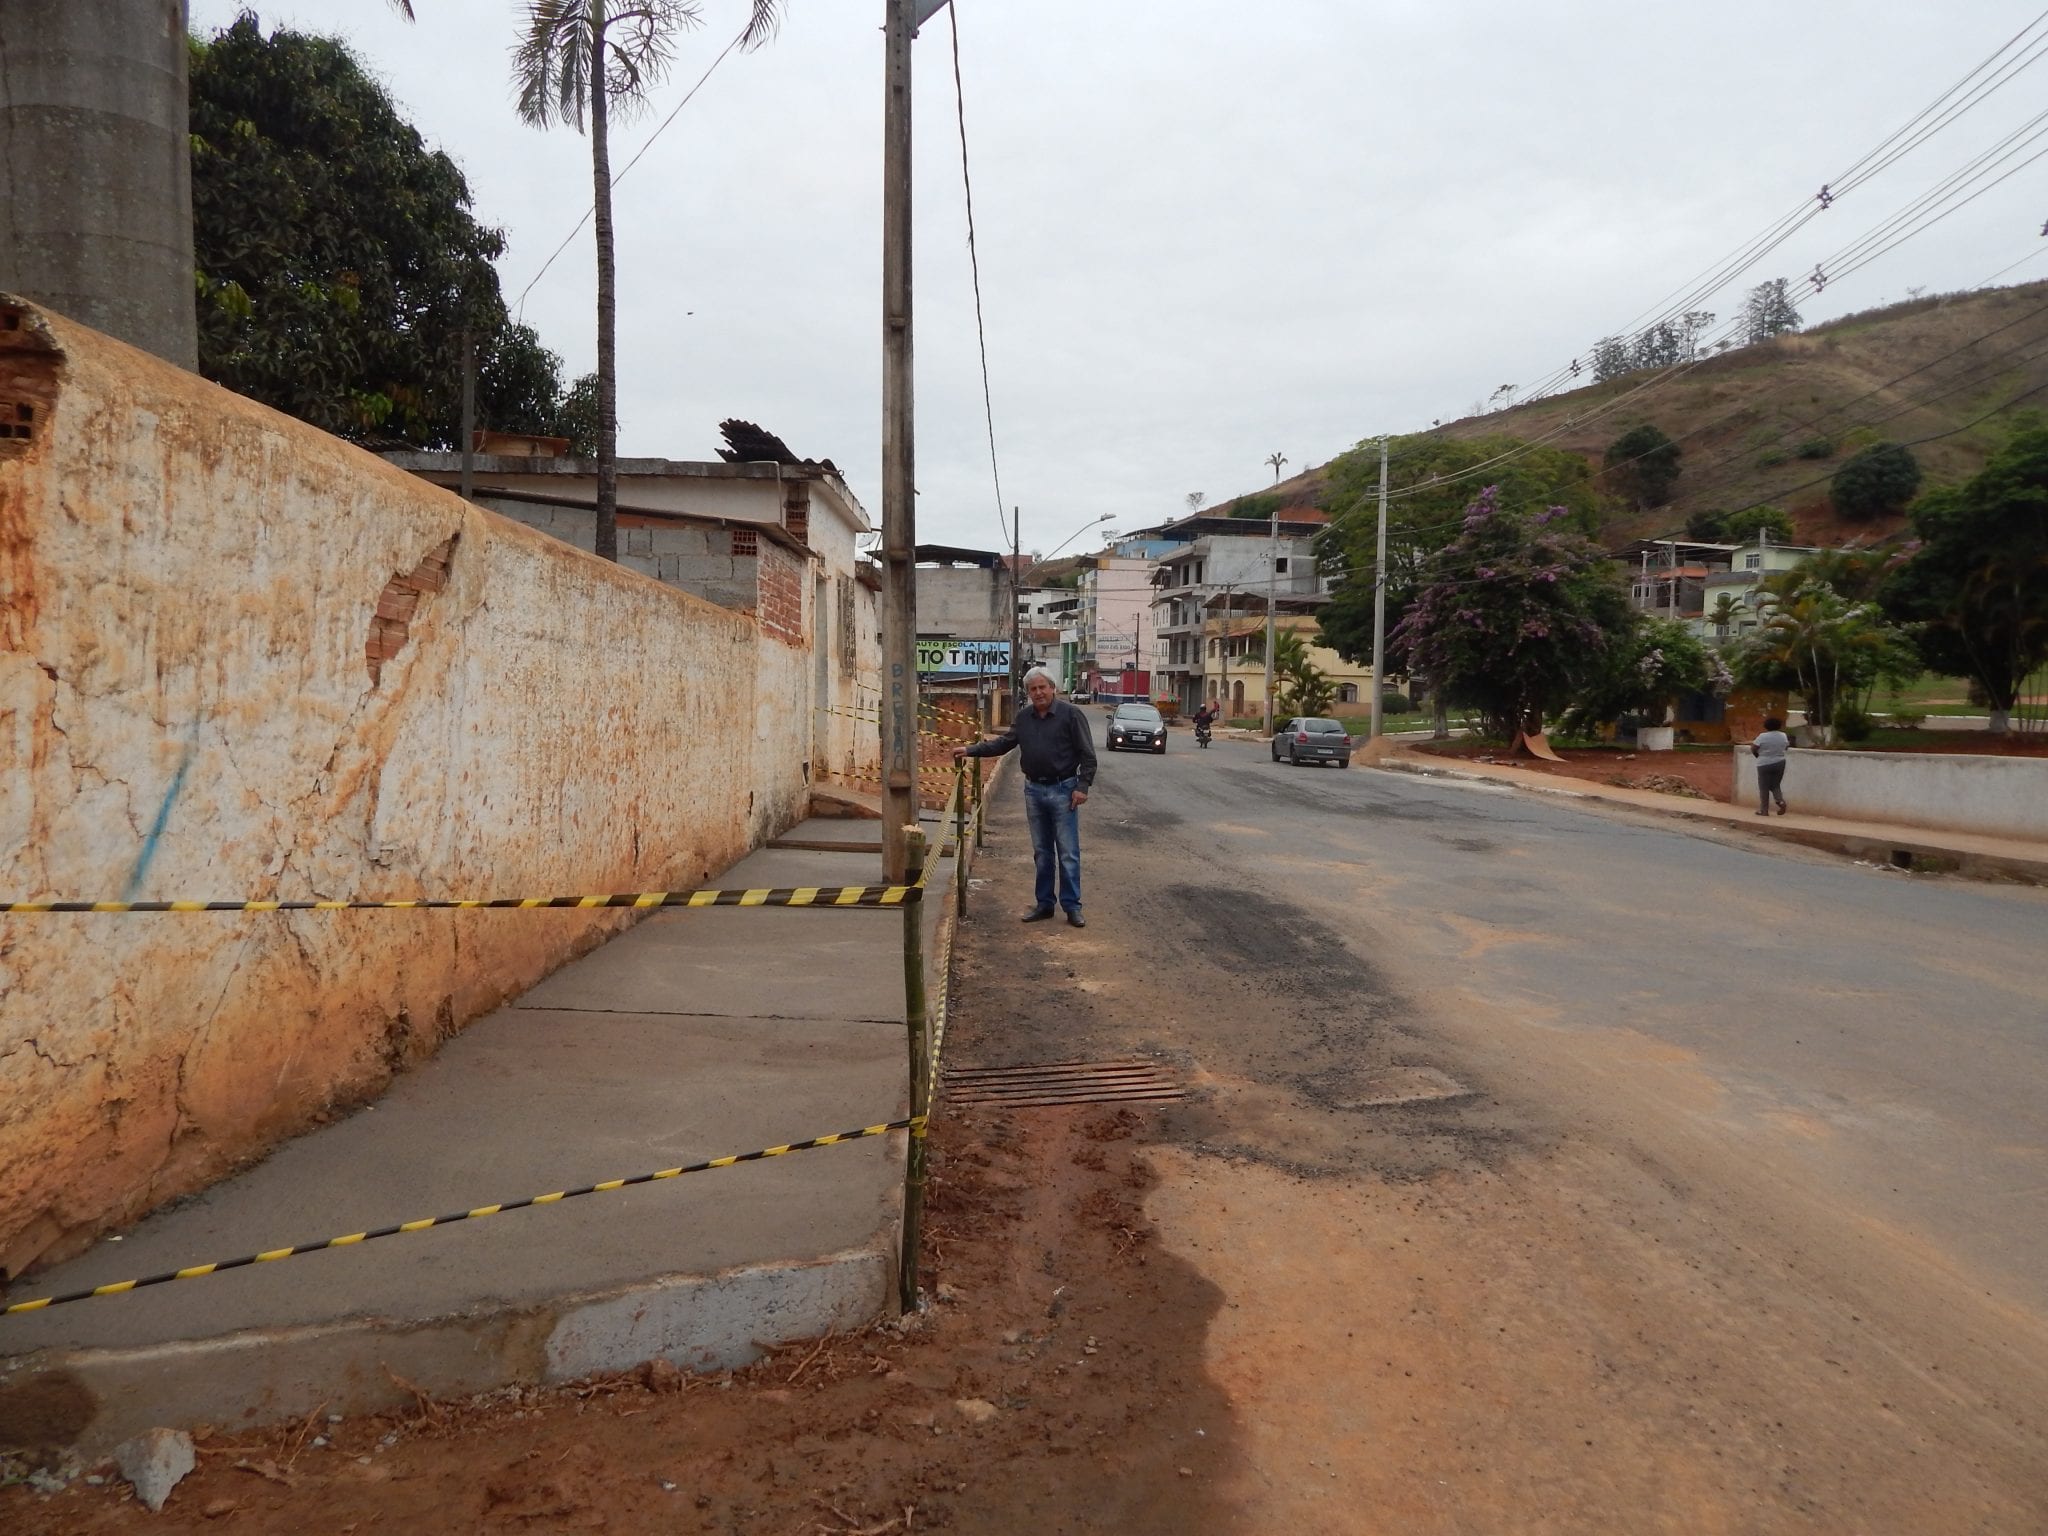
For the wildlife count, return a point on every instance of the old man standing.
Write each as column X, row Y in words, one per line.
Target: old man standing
column 1058, row 755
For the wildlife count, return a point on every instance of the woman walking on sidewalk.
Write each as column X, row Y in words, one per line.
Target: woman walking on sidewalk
column 1770, row 750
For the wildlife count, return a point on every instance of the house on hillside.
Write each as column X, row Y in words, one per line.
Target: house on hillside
column 1740, row 582
column 1668, row 577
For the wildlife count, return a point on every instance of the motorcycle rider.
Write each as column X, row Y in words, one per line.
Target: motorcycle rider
column 1204, row 718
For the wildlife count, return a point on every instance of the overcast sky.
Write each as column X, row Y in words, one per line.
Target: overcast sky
column 1209, row 231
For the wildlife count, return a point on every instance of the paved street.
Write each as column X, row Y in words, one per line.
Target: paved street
column 1739, row 1227
column 1878, row 1039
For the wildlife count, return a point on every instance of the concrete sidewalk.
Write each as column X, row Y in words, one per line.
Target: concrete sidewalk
column 696, row 1034
column 1922, row 848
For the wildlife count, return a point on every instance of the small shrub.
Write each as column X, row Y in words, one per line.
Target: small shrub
column 1392, row 703
column 1852, row 724
column 1905, row 719
column 1771, row 458
column 1817, row 448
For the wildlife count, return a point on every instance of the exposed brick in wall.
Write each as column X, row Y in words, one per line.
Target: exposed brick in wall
column 796, row 508
column 400, row 601
column 781, row 611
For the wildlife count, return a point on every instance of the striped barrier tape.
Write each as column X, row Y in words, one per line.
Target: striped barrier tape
column 769, row 896
column 914, row 1124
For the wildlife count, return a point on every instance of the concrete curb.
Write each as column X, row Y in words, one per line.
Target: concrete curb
column 95, row 1395
column 1907, row 848
column 93, row 1399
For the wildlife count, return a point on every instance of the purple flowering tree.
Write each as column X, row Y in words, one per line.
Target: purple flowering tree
column 1517, row 616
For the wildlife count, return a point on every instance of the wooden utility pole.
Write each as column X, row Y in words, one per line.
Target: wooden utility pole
column 1379, row 602
column 1272, row 588
column 1016, row 602
column 899, row 457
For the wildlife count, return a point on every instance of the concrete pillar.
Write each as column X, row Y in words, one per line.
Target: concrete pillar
column 96, row 221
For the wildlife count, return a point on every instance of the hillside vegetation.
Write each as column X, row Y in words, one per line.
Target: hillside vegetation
column 1772, row 422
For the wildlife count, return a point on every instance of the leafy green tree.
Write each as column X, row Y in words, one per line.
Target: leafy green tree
column 1430, row 482
column 1516, row 616
column 1717, row 527
column 1648, row 667
column 1641, row 466
column 338, row 261
column 1258, row 508
column 1612, row 357
column 1812, row 641
column 1768, row 312
column 1975, row 590
column 1880, row 481
column 592, row 58
column 577, row 418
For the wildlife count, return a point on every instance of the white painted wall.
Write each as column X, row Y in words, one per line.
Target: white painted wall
column 1960, row 792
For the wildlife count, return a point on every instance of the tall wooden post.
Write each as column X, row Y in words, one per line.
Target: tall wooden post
column 899, row 458
column 917, row 1024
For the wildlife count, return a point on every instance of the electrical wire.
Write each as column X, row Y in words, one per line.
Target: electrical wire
column 974, row 265
column 519, row 304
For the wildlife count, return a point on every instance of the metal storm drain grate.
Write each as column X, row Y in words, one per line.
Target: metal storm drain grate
column 1128, row 1081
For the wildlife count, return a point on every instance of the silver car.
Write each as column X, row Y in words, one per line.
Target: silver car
column 1312, row 739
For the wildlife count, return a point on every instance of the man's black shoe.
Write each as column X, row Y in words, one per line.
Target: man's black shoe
column 1076, row 920
column 1038, row 914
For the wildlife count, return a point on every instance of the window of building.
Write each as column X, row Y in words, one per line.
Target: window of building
column 1280, row 565
column 1753, row 562
column 1347, row 693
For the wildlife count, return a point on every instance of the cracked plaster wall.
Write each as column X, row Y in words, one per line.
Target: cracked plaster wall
column 188, row 583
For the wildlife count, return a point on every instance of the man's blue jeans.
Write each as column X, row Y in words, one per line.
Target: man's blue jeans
column 1055, row 830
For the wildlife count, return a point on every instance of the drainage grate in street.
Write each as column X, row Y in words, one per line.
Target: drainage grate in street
column 1127, row 1081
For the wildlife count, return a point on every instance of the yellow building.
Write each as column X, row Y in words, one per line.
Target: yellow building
column 1234, row 665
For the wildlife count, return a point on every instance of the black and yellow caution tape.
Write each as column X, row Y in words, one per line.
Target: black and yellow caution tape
column 915, row 1124
column 768, row 896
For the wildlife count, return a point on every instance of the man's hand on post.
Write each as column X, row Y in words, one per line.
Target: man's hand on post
column 959, row 753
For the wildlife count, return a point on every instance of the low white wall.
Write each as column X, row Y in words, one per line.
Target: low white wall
column 1960, row 792
column 242, row 659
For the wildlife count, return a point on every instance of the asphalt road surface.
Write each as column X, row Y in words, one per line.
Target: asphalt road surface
column 1731, row 1211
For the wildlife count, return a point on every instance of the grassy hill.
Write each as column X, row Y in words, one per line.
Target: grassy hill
column 1772, row 422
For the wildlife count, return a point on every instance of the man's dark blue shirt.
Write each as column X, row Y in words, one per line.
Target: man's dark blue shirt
column 1054, row 746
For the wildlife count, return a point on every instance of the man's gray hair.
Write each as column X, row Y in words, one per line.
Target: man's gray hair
column 1040, row 672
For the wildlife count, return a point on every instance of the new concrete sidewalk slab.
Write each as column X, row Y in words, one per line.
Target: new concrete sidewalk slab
column 1910, row 847
column 694, row 1035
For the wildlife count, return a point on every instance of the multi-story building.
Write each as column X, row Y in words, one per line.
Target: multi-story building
column 1222, row 573
column 1112, row 621
column 1740, row 582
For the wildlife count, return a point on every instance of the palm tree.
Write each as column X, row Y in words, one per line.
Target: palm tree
column 1726, row 615
column 1276, row 460
column 590, row 56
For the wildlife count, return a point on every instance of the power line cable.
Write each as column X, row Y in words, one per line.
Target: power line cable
column 519, row 304
column 974, row 265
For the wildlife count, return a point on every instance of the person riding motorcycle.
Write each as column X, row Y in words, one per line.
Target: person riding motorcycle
column 1204, row 718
